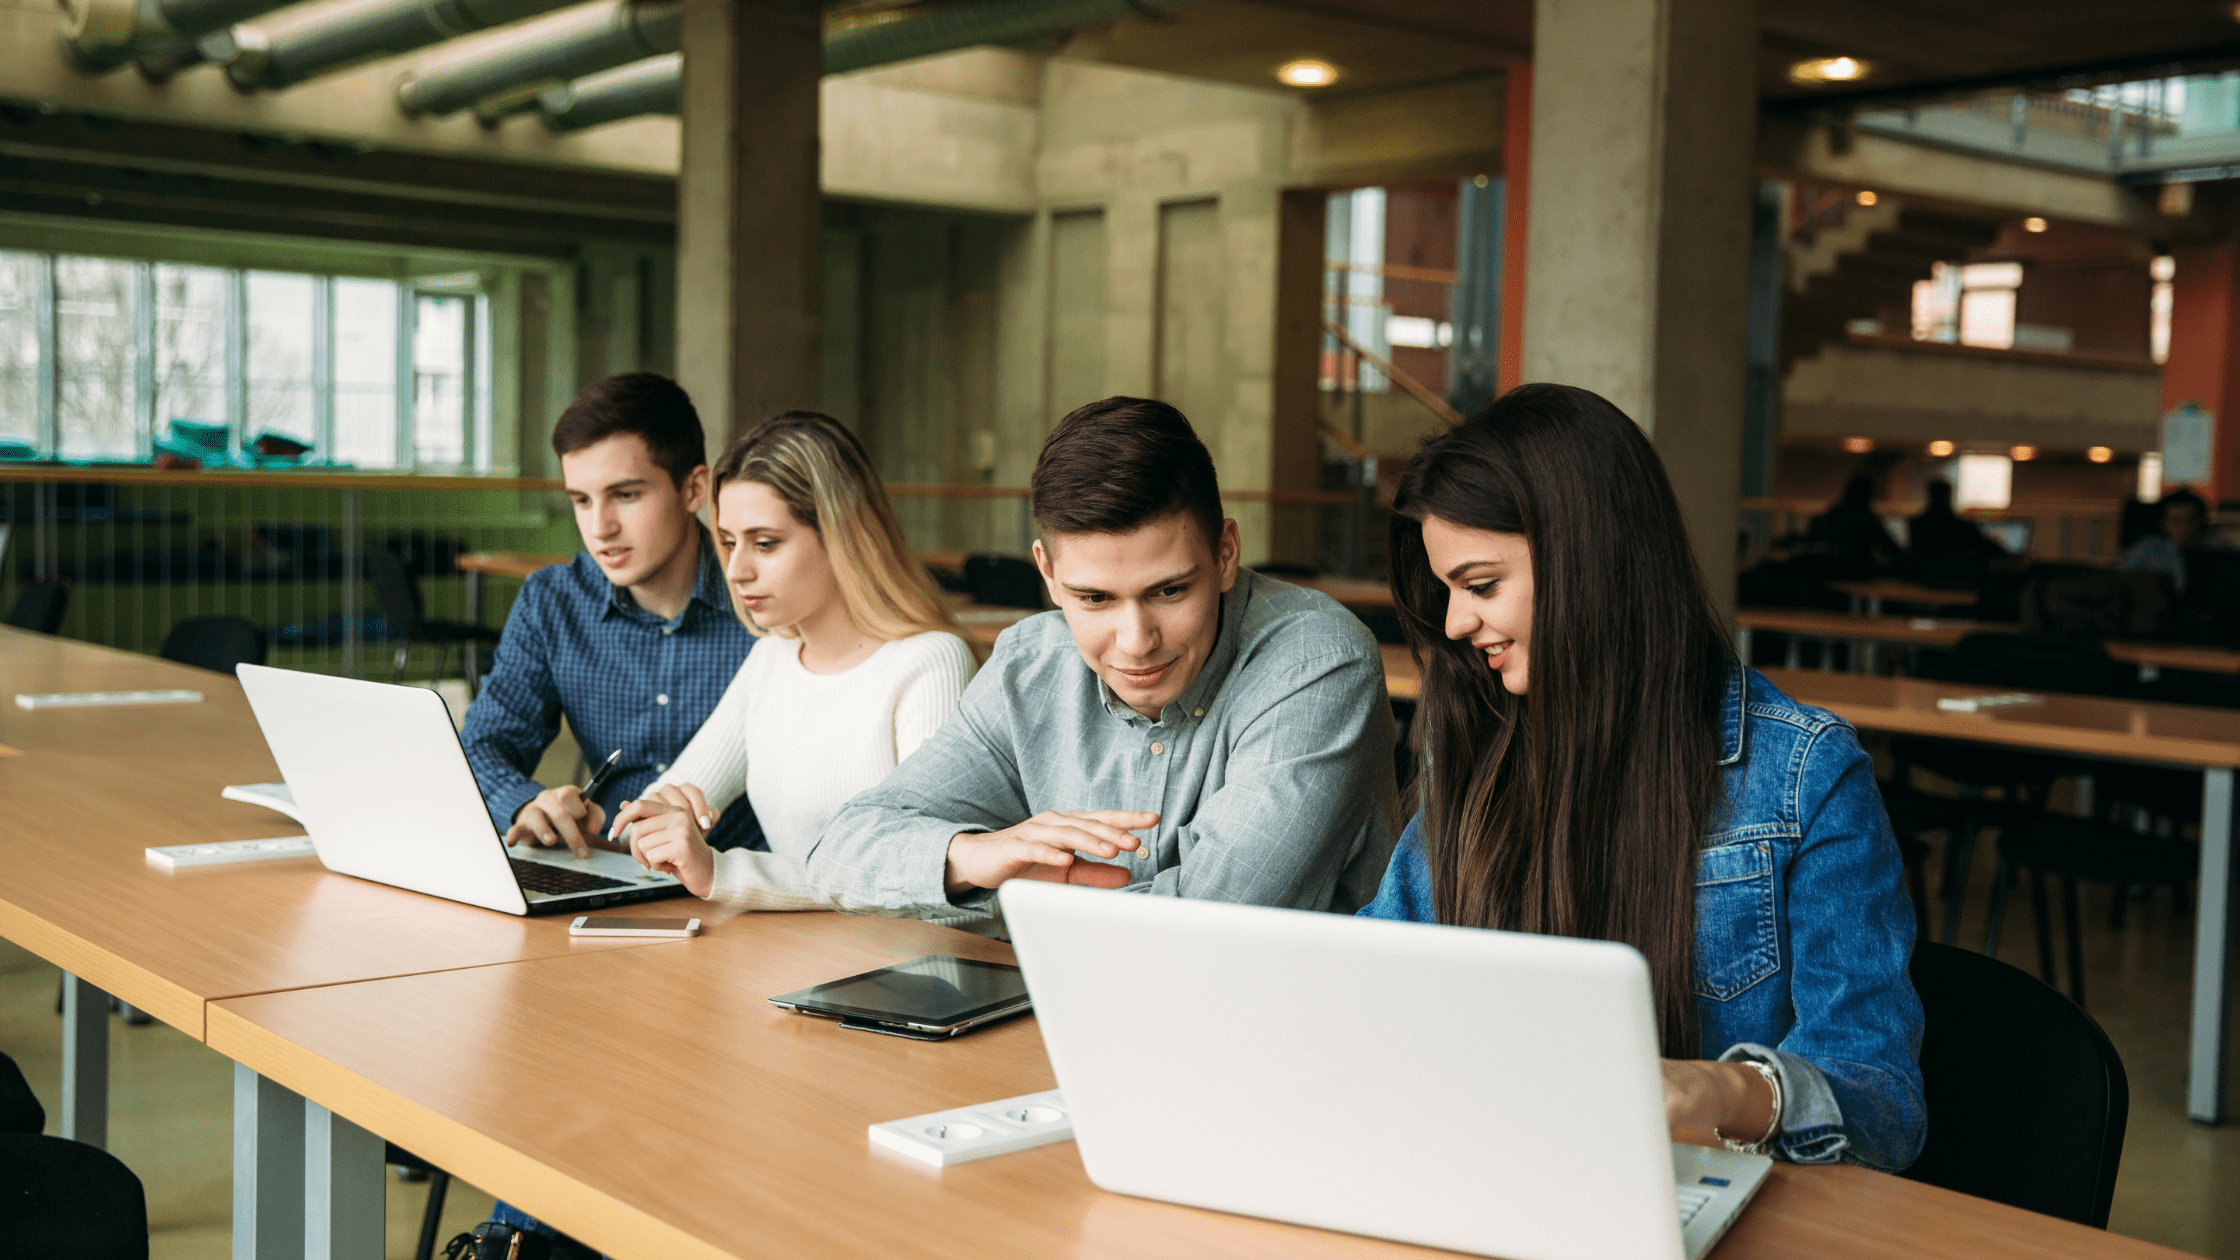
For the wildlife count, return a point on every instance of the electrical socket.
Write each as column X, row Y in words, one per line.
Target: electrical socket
column 949, row 1137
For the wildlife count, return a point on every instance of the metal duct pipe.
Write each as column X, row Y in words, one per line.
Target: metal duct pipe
column 312, row 39
column 551, row 50
column 98, row 36
column 654, row 89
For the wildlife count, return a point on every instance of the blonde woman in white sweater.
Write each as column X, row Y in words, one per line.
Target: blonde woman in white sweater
column 862, row 665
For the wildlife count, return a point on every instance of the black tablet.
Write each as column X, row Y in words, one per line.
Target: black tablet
column 926, row 998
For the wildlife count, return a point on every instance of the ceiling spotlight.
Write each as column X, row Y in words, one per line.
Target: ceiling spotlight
column 2023, row 454
column 2099, row 454
column 1828, row 70
column 1858, row 445
column 1866, row 198
column 2033, row 224
column 1940, row 448
column 1307, row 72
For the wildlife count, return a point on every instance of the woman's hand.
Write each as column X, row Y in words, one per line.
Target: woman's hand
column 666, row 836
column 1729, row 1098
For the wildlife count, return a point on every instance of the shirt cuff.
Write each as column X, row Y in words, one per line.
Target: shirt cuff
column 755, row 880
column 506, row 802
column 1811, row 1120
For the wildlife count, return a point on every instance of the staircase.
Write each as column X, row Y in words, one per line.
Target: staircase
column 1865, row 268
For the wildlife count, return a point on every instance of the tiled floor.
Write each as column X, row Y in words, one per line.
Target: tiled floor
column 171, row 1099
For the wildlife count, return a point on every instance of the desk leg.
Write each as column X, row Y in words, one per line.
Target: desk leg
column 85, row 1062
column 2212, row 945
column 345, row 1189
column 267, row 1168
column 474, row 598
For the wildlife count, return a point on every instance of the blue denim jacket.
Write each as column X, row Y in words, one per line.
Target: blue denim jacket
column 1803, row 931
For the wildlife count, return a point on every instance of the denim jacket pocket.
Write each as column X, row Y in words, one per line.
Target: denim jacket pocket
column 1738, row 942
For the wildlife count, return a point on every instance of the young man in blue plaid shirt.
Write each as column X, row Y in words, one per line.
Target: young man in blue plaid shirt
column 633, row 641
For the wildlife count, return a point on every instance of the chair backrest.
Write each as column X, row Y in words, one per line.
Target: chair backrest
column 2031, row 662
column 1004, row 582
column 2095, row 603
column 215, row 643
column 2027, row 1098
column 40, row 607
column 399, row 594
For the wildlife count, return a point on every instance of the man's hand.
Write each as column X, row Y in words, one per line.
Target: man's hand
column 1044, row 847
column 558, row 816
column 666, row 837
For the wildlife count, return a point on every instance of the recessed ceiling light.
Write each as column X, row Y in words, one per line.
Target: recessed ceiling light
column 1866, row 197
column 1940, row 448
column 1858, row 445
column 2023, row 454
column 2099, row 454
column 1307, row 72
column 2033, row 224
column 1828, row 70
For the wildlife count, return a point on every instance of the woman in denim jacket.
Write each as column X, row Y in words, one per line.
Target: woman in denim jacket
column 1649, row 790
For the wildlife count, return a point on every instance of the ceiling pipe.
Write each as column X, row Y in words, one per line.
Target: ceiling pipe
column 545, row 53
column 99, row 36
column 313, row 39
column 653, row 86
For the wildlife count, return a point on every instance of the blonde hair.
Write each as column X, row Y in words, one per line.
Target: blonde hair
column 824, row 477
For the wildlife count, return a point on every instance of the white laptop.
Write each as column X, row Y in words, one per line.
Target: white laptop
column 1488, row 1092
column 382, row 787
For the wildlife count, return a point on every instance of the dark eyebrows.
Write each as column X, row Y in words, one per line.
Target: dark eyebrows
column 1455, row 574
column 1161, row 584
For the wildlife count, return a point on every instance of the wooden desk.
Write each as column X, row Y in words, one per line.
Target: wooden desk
column 1872, row 593
column 2168, row 734
column 1816, row 623
column 512, row 564
column 1402, row 680
column 739, row 1128
column 1352, row 592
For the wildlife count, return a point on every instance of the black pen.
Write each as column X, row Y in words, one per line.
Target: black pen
column 599, row 779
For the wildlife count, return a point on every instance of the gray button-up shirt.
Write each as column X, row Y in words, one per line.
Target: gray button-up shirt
column 1271, row 775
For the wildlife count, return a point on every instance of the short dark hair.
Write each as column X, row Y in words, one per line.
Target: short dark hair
column 1118, row 464
column 651, row 406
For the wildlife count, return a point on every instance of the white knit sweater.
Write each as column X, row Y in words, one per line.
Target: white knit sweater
column 798, row 745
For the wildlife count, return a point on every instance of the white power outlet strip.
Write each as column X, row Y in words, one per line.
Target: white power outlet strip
column 966, row 1133
column 173, row 856
column 103, row 699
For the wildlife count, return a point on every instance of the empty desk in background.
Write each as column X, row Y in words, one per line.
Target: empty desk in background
column 95, row 787
column 1942, row 632
column 1867, row 596
column 765, row 1152
column 2186, row 736
column 512, row 564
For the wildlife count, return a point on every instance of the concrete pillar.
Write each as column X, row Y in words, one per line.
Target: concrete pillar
column 748, row 249
column 1637, row 259
column 2204, row 363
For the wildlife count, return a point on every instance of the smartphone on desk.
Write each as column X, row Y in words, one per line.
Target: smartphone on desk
column 585, row 925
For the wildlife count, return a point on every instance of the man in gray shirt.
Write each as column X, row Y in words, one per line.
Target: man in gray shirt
column 1179, row 726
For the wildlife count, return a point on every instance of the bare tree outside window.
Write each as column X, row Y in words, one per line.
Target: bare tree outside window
column 19, row 347
column 190, row 345
column 96, row 358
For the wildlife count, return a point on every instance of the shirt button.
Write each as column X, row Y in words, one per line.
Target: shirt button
column 1197, row 712
column 660, row 766
column 661, row 699
column 668, row 629
column 1157, row 748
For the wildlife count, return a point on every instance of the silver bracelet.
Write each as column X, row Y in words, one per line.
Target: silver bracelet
column 1773, row 1125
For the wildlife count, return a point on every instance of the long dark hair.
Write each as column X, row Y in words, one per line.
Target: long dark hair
column 1577, row 809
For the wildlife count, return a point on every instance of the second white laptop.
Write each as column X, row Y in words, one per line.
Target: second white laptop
column 1489, row 1092
column 382, row 786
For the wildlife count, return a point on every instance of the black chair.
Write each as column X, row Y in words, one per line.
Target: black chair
column 63, row 1198
column 215, row 643
column 2079, row 850
column 439, row 1186
column 1004, row 582
column 403, row 616
column 2027, row 1098
column 40, row 607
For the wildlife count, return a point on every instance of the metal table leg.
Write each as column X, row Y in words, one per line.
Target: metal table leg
column 85, row 1062
column 1742, row 643
column 2212, row 945
column 345, row 1189
column 267, row 1169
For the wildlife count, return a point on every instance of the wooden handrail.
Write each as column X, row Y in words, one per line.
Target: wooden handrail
column 1415, row 389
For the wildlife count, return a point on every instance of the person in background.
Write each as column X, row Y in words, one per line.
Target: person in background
column 1600, row 766
column 1238, row 723
column 863, row 666
column 1940, row 531
column 1850, row 529
column 632, row 642
column 2185, row 519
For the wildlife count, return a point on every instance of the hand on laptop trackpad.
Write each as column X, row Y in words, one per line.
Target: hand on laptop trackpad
column 611, row 865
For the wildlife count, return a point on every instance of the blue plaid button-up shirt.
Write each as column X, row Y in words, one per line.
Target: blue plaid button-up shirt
column 577, row 644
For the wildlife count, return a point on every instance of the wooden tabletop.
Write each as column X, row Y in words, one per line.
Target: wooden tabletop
column 513, row 564
column 1352, row 592
column 1821, row 623
column 721, row 1126
column 94, row 787
column 2087, row 726
column 1905, row 592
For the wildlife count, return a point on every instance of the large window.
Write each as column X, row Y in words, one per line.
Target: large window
column 108, row 359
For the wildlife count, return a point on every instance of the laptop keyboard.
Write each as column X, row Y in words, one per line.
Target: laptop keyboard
column 1692, row 1200
column 537, row 877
